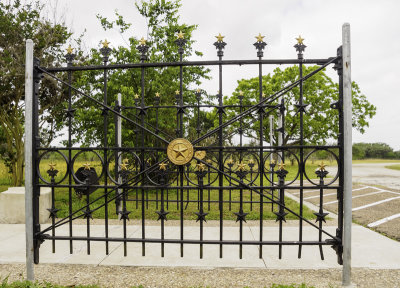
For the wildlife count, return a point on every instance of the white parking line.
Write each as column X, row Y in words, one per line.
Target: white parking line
column 363, row 195
column 375, row 203
column 318, row 196
column 384, row 220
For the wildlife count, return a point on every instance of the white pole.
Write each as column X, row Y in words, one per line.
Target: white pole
column 347, row 172
column 30, row 275
column 280, row 138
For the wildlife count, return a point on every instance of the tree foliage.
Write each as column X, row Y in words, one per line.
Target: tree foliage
column 163, row 23
column 319, row 91
column 19, row 22
column 374, row 150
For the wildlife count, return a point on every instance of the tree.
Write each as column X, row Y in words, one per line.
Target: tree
column 19, row 22
column 319, row 91
column 162, row 18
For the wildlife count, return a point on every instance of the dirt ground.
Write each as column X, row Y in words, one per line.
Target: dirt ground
column 120, row 276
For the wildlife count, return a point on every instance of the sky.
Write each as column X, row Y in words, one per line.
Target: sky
column 375, row 41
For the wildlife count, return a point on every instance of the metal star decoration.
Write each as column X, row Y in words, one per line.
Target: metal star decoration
column 136, row 96
column 241, row 216
column 52, row 166
column 242, row 166
column 163, row 166
column 162, row 215
column 198, row 90
column 300, row 40
column 282, row 166
column 87, row 166
column 322, row 166
column 201, row 216
column 125, row 161
column 142, row 42
column 70, row 50
column 177, row 92
column 105, row 43
column 157, row 95
column 260, row 38
column 124, row 166
column 219, row 37
column 200, row 167
column 181, row 35
column 124, row 214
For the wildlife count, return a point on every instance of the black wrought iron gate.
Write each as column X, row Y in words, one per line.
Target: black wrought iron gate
column 182, row 170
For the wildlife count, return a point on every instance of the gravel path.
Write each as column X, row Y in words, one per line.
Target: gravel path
column 118, row 276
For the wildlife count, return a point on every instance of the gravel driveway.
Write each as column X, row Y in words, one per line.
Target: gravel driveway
column 377, row 174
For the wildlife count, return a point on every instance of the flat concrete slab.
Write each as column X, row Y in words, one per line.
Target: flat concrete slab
column 370, row 249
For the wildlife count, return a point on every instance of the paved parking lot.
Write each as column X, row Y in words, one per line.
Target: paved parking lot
column 374, row 207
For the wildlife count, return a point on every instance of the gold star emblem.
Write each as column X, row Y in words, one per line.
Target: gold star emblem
column 209, row 161
column 241, row 166
column 230, row 162
column 282, row 166
column 52, row 166
column 105, row 43
column 177, row 92
column 241, row 93
column 87, row 166
column 260, row 38
column 300, row 40
column 136, row 96
column 219, row 37
column 157, row 95
column 322, row 166
column 272, row 162
column 70, row 50
column 142, row 42
column 163, row 166
column 200, row 167
column 263, row 95
column 198, row 90
column 179, row 150
column 181, row 35
column 251, row 162
column 125, row 161
column 124, row 166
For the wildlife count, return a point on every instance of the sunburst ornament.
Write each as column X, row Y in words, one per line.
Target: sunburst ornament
column 105, row 43
column 70, row 50
column 52, row 166
column 242, row 166
column 260, row 38
column 322, row 166
column 181, row 35
column 300, row 40
column 200, row 167
column 219, row 37
column 163, row 166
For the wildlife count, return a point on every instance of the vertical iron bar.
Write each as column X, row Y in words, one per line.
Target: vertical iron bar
column 181, row 168
column 302, row 167
column 142, row 165
column 220, row 158
column 105, row 130
column 261, row 120
column 70, row 166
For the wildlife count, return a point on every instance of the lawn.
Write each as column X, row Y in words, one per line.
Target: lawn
column 394, row 167
column 375, row 161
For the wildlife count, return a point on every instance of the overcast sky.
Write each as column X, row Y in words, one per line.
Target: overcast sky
column 375, row 36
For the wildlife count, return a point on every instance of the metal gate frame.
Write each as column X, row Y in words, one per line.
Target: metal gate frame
column 341, row 242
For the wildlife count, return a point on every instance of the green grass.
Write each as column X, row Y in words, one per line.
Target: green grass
column 36, row 284
column 394, row 167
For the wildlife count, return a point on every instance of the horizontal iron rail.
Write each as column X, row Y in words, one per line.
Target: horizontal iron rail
column 127, row 186
column 185, row 241
column 216, row 148
column 189, row 63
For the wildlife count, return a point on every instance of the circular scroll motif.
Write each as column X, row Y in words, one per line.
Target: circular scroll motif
column 180, row 151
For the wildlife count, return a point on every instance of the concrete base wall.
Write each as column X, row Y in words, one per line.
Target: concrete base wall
column 12, row 205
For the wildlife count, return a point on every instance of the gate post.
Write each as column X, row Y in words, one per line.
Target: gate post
column 30, row 275
column 347, row 184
